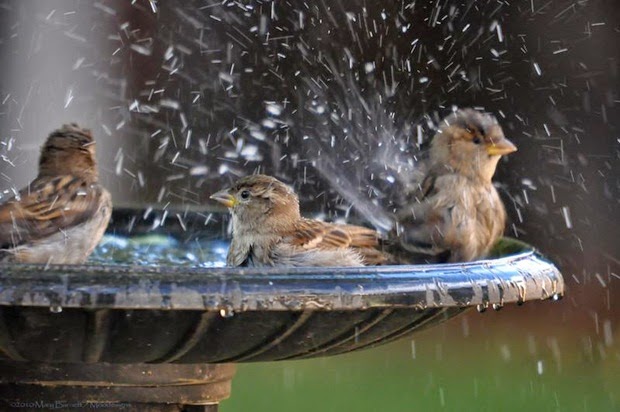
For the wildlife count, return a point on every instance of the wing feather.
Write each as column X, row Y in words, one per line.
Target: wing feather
column 47, row 206
column 421, row 224
column 314, row 234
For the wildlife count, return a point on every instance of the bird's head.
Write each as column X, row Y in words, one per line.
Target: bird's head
column 257, row 200
column 470, row 142
column 69, row 150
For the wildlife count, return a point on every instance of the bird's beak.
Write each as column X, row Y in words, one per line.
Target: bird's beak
column 225, row 198
column 501, row 147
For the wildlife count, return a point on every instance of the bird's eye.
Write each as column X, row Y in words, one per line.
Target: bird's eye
column 476, row 140
column 245, row 194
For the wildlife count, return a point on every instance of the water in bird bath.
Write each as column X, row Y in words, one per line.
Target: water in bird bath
column 160, row 250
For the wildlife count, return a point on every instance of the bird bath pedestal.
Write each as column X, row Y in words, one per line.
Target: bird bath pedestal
column 167, row 338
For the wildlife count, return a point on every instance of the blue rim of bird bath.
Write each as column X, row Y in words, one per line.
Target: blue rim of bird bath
column 517, row 278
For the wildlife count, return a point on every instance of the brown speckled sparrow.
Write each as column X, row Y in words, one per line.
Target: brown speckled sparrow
column 455, row 214
column 268, row 230
column 62, row 215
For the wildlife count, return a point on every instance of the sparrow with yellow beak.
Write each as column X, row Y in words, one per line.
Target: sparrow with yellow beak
column 268, row 230
column 455, row 214
column 62, row 215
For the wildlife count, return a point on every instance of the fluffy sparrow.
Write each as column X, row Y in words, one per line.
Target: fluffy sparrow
column 455, row 214
column 268, row 230
column 61, row 216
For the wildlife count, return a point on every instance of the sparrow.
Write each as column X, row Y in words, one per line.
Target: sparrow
column 268, row 230
column 455, row 213
column 61, row 216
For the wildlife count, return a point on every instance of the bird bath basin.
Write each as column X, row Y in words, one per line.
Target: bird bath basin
column 167, row 337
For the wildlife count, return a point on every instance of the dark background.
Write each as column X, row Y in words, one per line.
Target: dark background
column 186, row 96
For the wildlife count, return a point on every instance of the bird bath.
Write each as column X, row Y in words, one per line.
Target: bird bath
column 168, row 337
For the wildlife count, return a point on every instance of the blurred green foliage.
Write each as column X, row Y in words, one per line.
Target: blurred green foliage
column 475, row 362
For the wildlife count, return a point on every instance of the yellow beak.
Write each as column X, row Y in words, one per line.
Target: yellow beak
column 501, row 147
column 225, row 198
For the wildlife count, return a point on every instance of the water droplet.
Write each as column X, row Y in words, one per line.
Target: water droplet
column 482, row 307
column 56, row 309
column 497, row 306
column 274, row 109
column 227, row 312
column 557, row 296
column 539, row 367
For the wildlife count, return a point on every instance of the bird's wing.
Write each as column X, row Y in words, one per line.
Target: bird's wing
column 316, row 234
column 422, row 222
column 47, row 206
